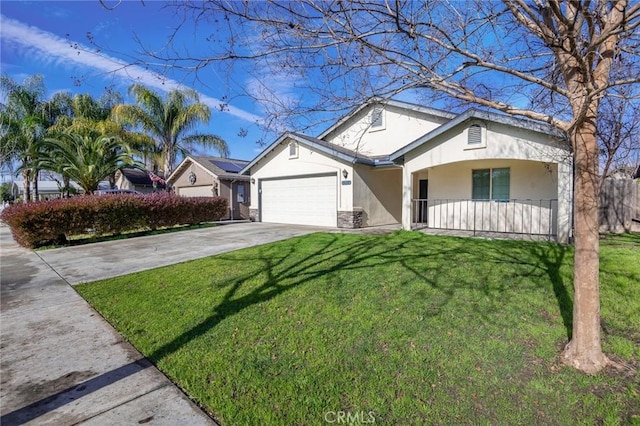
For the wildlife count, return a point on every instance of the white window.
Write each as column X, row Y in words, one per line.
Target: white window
column 377, row 118
column 293, row 150
column 476, row 136
column 491, row 184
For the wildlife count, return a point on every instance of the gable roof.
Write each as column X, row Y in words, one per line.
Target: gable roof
column 219, row 167
column 476, row 114
column 139, row 177
column 390, row 102
column 331, row 150
column 350, row 156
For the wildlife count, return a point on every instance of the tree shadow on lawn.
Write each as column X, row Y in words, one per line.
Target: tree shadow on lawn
column 549, row 259
column 345, row 253
column 540, row 261
column 552, row 256
column 334, row 255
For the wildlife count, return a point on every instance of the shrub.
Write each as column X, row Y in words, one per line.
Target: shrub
column 42, row 223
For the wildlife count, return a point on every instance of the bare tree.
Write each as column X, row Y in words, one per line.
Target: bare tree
column 551, row 61
column 619, row 135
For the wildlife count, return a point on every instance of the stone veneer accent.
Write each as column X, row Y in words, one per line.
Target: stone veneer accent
column 350, row 219
column 253, row 215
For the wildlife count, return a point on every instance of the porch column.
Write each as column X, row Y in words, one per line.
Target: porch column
column 407, row 191
column 565, row 201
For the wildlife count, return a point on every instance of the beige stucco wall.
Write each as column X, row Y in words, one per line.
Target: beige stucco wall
column 447, row 162
column 502, row 141
column 240, row 210
column 278, row 164
column 122, row 183
column 194, row 191
column 528, row 179
column 450, row 189
column 203, row 177
column 520, row 217
column 204, row 188
column 378, row 192
column 401, row 127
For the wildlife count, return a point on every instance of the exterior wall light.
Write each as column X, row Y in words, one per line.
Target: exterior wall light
column 345, row 173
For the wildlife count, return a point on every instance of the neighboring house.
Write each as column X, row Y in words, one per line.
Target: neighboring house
column 199, row 176
column 139, row 180
column 47, row 189
column 391, row 162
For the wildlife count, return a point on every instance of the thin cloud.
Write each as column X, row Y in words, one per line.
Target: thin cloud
column 53, row 49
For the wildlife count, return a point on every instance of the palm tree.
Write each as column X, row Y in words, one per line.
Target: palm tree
column 171, row 122
column 84, row 115
column 85, row 159
column 22, row 127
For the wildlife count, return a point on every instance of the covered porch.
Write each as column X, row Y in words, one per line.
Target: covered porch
column 494, row 198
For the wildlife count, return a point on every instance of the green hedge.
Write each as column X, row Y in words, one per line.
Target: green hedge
column 37, row 224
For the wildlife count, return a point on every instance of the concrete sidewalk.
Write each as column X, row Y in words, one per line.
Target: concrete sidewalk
column 61, row 363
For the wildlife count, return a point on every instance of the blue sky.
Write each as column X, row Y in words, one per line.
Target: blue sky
column 37, row 37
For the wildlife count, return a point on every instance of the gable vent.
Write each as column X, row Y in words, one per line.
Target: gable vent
column 293, row 150
column 377, row 117
column 474, row 135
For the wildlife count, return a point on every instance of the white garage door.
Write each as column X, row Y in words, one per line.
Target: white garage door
column 300, row 200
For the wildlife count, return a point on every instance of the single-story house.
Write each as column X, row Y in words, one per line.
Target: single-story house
column 201, row 176
column 47, row 189
column 390, row 162
column 139, row 180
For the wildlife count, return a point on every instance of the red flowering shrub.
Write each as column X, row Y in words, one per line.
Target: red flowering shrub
column 164, row 209
column 41, row 223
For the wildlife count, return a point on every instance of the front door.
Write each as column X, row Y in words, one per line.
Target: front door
column 423, row 194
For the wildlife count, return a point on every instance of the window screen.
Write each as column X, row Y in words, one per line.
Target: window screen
column 500, row 182
column 491, row 184
column 481, row 183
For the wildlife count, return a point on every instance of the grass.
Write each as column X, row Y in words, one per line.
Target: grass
column 407, row 328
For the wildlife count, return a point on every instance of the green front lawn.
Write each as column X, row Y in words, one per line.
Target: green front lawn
column 404, row 328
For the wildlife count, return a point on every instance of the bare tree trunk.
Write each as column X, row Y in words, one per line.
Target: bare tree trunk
column 584, row 351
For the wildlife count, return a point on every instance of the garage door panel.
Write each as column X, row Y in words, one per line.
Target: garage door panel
column 300, row 200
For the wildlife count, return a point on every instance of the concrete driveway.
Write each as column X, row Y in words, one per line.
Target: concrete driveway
column 109, row 259
column 61, row 363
